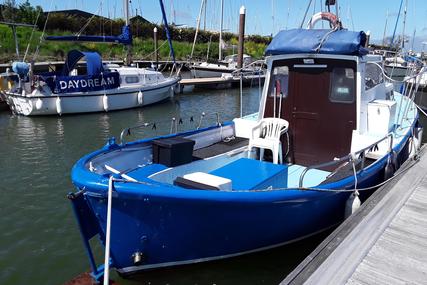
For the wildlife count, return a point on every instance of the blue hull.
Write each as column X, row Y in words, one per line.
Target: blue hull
column 171, row 226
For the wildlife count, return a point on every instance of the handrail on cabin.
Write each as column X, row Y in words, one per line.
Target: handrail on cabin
column 349, row 156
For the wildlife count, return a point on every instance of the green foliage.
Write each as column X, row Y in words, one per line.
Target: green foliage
column 143, row 46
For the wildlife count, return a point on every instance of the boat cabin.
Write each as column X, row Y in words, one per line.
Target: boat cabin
column 323, row 96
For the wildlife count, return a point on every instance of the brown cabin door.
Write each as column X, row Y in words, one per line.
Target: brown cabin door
column 320, row 108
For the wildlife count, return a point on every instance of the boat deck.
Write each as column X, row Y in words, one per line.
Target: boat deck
column 384, row 242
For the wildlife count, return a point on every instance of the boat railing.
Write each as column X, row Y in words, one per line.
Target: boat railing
column 174, row 124
column 243, row 71
column 352, row 157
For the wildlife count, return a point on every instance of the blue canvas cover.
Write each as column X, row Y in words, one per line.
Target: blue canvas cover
column 93, row 62
column 125, row 38
column 322, row 41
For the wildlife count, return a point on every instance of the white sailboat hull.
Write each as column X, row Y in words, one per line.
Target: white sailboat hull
column 100, row 101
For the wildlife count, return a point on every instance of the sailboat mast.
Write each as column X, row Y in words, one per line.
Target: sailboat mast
column 385, row 28
column 128, row 58
column 197, row 27
column 126, row 9
column 404, row 24
column 220, row 31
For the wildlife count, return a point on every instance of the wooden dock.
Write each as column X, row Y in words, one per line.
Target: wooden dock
column 384, row 242
column 221, row 82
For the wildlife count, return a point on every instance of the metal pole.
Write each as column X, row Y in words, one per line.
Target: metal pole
column 241, row 94
column 220, row 31
column 165, row 20
column 16, row 40
column 156, row 53
column 108, row 232
column 128, row 58
column 241, row 37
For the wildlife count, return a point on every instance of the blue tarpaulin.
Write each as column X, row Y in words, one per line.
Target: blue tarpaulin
column 318, row 41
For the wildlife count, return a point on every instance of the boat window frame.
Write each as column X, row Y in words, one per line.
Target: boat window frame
column 132, row 76
column 333, row 87
column 284, row 82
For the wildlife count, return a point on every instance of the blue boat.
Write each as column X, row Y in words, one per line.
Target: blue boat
column 329, row 127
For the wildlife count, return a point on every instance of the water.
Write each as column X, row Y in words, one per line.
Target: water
column 39, row 239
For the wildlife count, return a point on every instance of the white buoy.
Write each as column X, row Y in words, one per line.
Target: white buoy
column 39, row 104
column 352, row 204
column 140, row 98
column 105, row 102
column 58, row 105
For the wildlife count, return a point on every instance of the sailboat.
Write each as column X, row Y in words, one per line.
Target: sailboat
column 93, row 87
column 227, row 67
column 334, row 127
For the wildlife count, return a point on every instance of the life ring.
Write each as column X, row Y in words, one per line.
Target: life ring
column 327, row 16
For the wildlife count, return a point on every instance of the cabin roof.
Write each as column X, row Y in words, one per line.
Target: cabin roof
column 341, row 42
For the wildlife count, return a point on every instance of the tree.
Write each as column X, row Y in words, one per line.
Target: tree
column 9, row 11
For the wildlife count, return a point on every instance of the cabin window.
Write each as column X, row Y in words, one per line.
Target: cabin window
column 279, row 82
column 131, row 79
column 373, row 76
column 342, row 85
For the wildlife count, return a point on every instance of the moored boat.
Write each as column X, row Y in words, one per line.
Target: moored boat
column 94, row 87
column 334, row 126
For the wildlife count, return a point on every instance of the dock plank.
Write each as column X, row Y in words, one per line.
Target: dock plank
column 383, row 243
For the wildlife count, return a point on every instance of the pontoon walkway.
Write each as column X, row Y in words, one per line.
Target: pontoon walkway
column 385, row 242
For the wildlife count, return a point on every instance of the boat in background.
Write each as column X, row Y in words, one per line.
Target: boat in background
column 93, row 87
column 336, row 128
column 227, row 68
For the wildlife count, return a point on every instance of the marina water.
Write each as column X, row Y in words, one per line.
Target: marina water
column 39, row 239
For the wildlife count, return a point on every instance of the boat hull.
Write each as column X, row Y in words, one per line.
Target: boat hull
column 101, row 101
column 171, row 226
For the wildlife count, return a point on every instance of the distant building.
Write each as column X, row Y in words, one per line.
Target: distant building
column 138, row 20
column 86, row 15
column 76, row 13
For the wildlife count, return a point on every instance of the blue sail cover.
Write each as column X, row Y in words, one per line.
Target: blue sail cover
column 125, row 38
column 94, row 80
column 93, row 62
column 323, row 41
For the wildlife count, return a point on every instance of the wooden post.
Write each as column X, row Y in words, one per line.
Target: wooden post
column 156, row 53
column 241, row 37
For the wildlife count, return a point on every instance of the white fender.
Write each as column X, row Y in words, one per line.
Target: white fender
column 140, row 98
column 105, row 102
column 39, row 104
column 352, row 204
column 58, row 105
column 420, row 138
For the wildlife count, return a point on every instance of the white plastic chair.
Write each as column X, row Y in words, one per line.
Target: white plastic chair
column 266, row 135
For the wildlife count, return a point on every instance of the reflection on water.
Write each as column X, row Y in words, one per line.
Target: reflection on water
column 39, row 239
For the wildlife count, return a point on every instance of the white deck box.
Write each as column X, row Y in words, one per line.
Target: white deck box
column 381, row 117
column 212, row 180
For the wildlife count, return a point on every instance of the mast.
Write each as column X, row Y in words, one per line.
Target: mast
column 197, row 27
column 168, row 36
column 397, row 20
column 385, row 28
column 128, row 58
column 404, row 25
column 220, row 31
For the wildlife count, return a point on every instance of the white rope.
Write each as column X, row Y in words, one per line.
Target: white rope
column 31, row 37
column 36, row 53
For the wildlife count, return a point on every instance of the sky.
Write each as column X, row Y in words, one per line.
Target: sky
column 266, row 17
